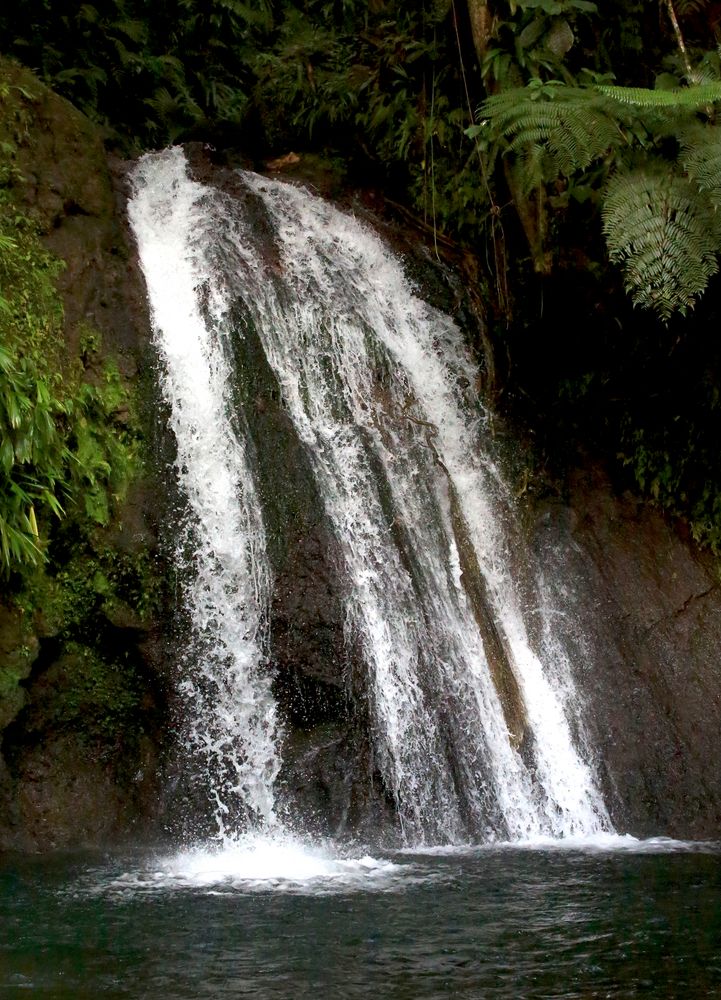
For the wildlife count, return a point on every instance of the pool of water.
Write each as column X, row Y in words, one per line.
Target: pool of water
column 611, row 918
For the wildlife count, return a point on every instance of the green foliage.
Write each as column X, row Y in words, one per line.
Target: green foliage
column 678, row 99
column 88, row 581
column 154, row 73
column 96, row 698
column 674, row 462
column 700, row 159
column 33, row 453
column 32, row 460
column 59, row 444
column 659, row 219
column 533, row 40
column 666, row 236
column 555, row 129
column 104, row 452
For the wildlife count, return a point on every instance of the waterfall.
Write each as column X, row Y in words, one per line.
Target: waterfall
column 475, row 727
column 233, row 729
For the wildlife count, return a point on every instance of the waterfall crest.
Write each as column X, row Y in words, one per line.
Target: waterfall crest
column 472, row 725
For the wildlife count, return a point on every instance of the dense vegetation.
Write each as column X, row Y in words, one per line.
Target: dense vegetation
column 570, row 148
column 59, row 447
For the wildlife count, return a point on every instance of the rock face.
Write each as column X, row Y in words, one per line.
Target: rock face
column 642, row 612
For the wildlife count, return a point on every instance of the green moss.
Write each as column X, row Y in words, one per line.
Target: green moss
column 12, row 695
column 18, row 649
column 95, row 698
column 97, row 581
column 17, row 92
column 676, row 468
column 105, row 449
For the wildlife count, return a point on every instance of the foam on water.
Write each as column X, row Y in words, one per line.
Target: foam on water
column 592, row 844
column 256, row 863
column 287, row 865
column 255, row 859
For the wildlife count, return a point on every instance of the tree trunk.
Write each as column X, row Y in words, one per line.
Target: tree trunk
column 481, row 17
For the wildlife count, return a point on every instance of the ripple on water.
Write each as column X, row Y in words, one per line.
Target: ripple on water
column 287, row 864
column 269, row 920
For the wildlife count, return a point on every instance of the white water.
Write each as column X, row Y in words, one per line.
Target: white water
column 379, row 388
column 233, row 729
column 282, row 864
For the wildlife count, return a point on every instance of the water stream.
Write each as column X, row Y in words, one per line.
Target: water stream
column 475, row 731
column 231, row 718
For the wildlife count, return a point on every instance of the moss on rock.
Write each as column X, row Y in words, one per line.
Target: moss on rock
column 18, row 650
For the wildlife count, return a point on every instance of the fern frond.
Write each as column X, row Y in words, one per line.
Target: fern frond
column 693, row 98
column 655, row 224
column 89, row 14
column 573, row 124
column 533, row 167
column 163, row 102
column 701, row 159
column 136, row 31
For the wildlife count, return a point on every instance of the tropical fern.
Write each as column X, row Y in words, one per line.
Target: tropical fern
column 660, row 219
column 577, row 125
column 656, row 226
column 33, row 459
column 694, row 98
column 557, row 129
column 701, row 159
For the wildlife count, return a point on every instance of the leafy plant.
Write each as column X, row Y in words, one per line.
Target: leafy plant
column 59, row 446
column 664, row 233
column 32, row 459
column 554, row 129
column 658, row 216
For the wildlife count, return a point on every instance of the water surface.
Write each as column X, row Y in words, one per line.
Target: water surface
column 638, row 920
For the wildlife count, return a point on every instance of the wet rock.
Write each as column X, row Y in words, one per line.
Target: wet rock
column 642, row 613
column 65, row 795
column 80, row 761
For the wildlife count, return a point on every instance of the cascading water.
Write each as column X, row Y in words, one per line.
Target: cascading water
column 233, row 729
column 472, row 732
